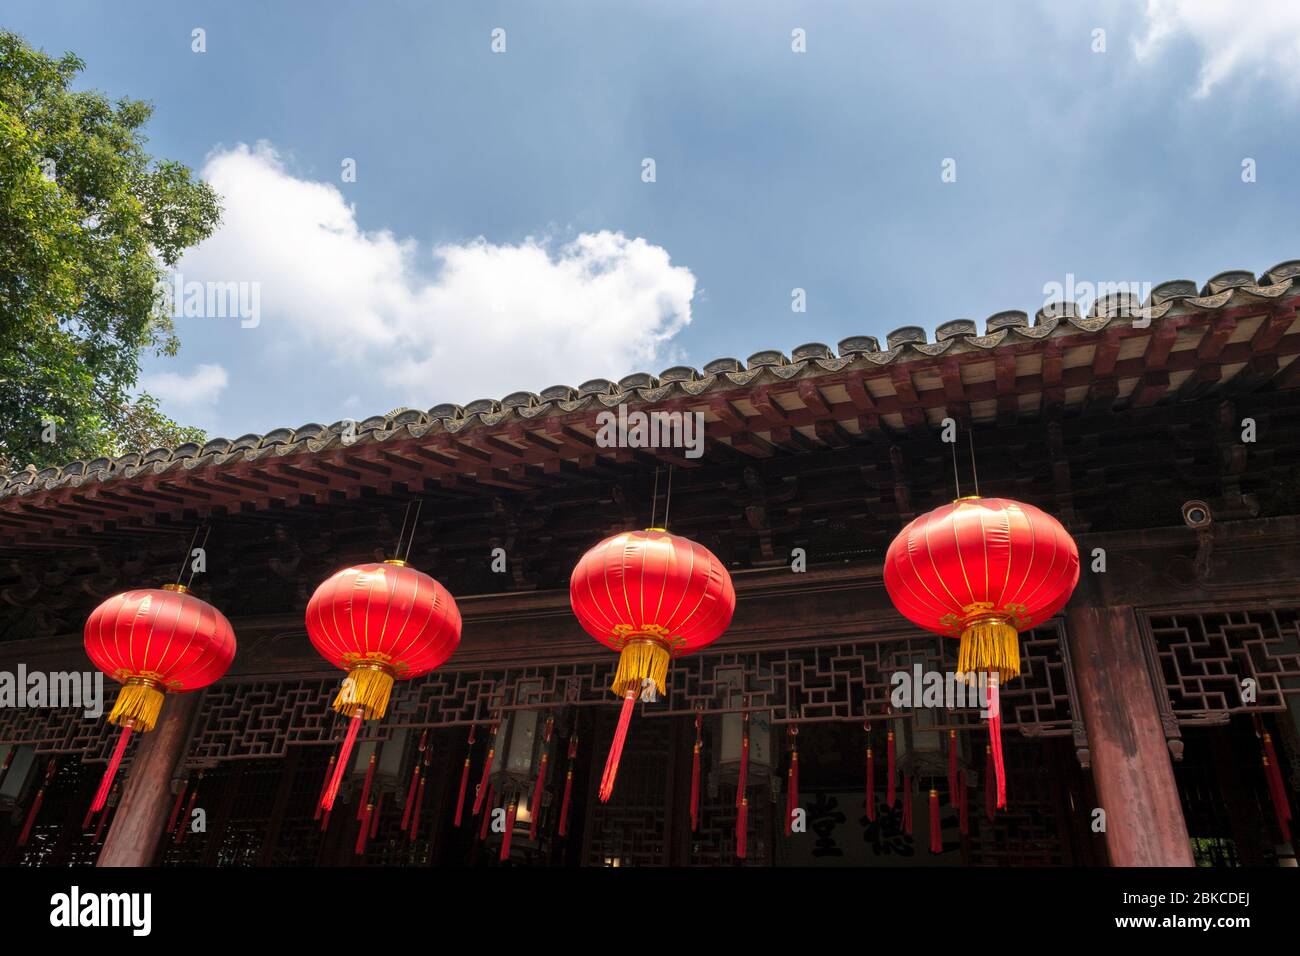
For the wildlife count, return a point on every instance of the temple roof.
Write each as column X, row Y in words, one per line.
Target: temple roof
column 1181, row 342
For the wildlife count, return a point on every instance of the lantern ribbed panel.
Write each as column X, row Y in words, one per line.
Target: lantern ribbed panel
column 980, row 555
column 169, row 636
column 652, row 583
column 386, row 613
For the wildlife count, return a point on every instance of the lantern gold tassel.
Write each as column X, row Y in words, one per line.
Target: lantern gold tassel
column 138, row 702
column 641, row 659
column 366, row 688
column 989, row 644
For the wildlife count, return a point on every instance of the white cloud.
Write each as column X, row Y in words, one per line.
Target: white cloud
column 200, row 388
column 480, row 321
column 1257, row 38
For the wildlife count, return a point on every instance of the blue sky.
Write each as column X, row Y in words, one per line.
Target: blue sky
column 499, row 235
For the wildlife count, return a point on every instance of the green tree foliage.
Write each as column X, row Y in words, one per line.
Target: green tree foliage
column 89, row 221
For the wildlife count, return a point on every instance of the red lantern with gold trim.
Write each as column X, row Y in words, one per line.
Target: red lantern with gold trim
column 155, row 642
column 982, row 570
column 651, row 596
column 381, row 623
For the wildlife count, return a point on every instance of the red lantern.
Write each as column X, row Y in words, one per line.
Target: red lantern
column 154, row 641
column 651, row 596
column 380, row 623
column 982, row 570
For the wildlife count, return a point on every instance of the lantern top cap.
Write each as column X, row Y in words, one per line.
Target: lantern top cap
column 660, row 530
column 967, row 498
column 396, row 561
column 178, row 588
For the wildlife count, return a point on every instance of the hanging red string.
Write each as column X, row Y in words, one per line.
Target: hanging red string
column 1277, row 788
column 695, row 775
column 742, row 829
column 487, row 813
column 180, row 801
column 184, row 824
column 483, row 788
column 40, row 799
column 995, row 740
column 415, row 816
column 410, row 797
column 374, row 817
column 963, row 804
column 889, row 768
column 464, row 779
column 936, row 833
column 511, row 815
column 871, row 781
column 349, row 740
column 990, row 792
column 363, row 831
column 616, row 748
column 365, row 787
column 106, row 784
column 952, row 768
column 907, row 804
column 103, row 818
column 792, row 780
column 568, row 787
column 324, row 785
column 535, row 804
column 9, row 758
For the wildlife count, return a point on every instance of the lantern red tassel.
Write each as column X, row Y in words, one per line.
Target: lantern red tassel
column 568, row 787
column 31, row 814
column 907, row 804
column 184, row 825
column 952, row 768
column 535, row 804
column 1277, row 788
column 324, row 786
column 990, row 790
column 744, row 759
column 616, row 748
column 374, row 817
column 349, row 740
column 742, row 828
column 936, row 834
column 695, row 777
column 365, row 788
column 483, row 788
column 103, row 818
column 464, row 779
column 410, row 797
column 871, row 784
column 415, row 816
column 511, row 815
column 363, row 832
column 792, row 792
column 487, row 813
column 995, row 741
column 889, row 768
column 106, row 784
column 178, row 802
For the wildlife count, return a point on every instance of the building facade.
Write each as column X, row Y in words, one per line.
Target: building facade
column 1165, row 438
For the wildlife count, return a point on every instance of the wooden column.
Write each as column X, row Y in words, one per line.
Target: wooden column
column 1130, row 761
column 137, row 826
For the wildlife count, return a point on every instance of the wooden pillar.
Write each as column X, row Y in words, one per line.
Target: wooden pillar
column 1131, row 766
column 138, row 825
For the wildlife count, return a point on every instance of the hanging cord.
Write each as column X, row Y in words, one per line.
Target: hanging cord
column 401, row 535
column 975, row 475
column 202, row 546
column 956, row 477
column 185, row 559
column 415, row 524
column 668, row 498
column 654, row 500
